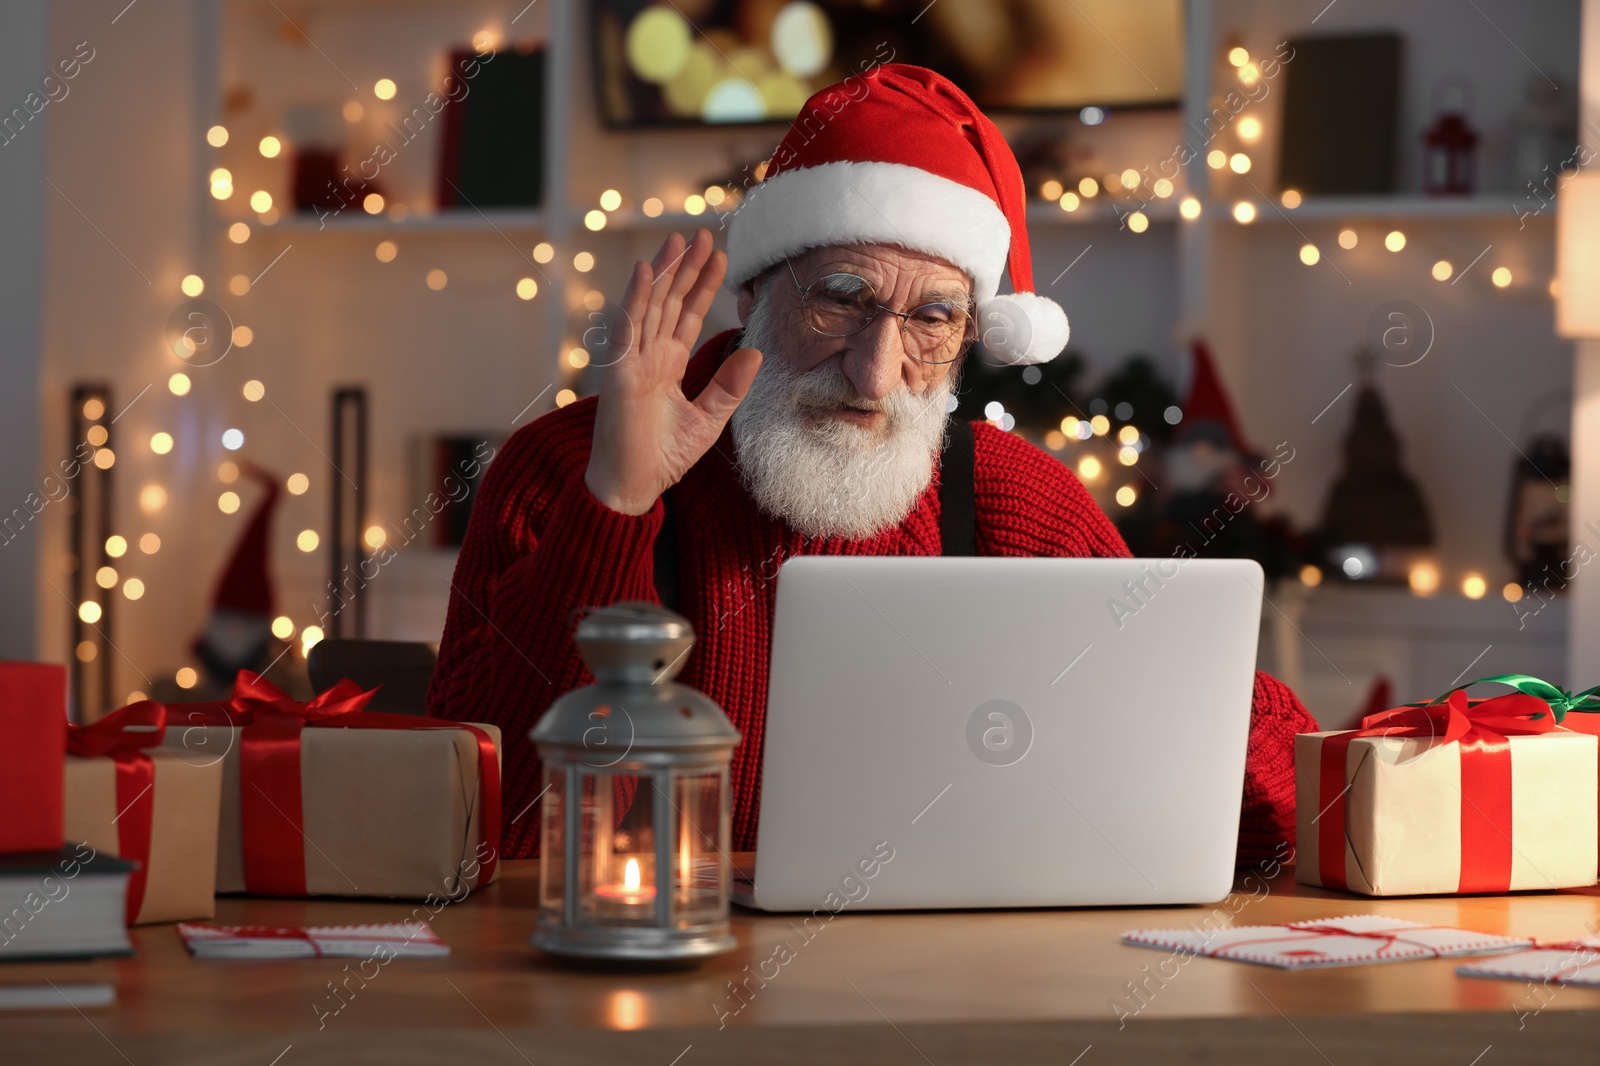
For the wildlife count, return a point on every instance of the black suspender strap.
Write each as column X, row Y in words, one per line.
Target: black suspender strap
column 958, row 514
column 958, row 507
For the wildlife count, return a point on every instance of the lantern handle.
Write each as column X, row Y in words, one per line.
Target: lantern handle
column 1459, row 82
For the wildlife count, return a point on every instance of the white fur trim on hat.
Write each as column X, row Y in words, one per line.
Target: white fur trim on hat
column 1022, row 328
column 869, row 203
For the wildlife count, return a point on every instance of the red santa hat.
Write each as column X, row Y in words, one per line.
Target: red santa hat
column 1208, row 403
column 246, row 584
column 901, row 156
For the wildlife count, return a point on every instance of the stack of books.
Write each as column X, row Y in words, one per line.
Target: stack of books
column 65, row 904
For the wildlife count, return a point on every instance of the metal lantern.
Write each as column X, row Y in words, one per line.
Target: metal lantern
column 1448, row 156
column 636, row 813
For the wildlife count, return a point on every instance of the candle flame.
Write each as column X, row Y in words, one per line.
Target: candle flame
column 630, row 875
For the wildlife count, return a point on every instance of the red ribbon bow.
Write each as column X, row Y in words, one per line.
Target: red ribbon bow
column 271, row 815
column 136, row 778
column 1481, row 728
column 257, row 699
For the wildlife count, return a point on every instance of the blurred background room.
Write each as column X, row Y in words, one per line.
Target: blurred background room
column 281, row 276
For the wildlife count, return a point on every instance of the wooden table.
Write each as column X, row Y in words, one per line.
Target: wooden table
column 944, row 988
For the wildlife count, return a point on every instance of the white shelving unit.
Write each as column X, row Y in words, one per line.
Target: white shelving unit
column 1417, row 209
column 447, row 222
column 1282, row 332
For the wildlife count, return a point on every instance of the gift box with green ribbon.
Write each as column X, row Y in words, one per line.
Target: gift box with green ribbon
column 1456, row 795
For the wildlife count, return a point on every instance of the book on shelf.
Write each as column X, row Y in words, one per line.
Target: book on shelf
column 492, row 154
column 65, row 904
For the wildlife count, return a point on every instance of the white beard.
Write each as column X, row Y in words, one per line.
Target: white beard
column 827, row 477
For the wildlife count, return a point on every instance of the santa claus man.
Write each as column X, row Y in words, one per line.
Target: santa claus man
column 867, row 264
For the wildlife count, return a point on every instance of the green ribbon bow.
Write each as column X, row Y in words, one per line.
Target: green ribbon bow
column 1560, row 700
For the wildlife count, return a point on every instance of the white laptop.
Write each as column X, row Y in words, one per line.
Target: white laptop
column 992, row 732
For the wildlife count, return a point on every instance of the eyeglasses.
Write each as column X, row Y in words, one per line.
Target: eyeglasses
column 839, row 304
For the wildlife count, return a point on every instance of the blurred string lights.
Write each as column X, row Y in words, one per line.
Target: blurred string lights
column 1248, row 130
column 614, row 209
column 153, row 496
column 1359, row 563
column 1103, row 456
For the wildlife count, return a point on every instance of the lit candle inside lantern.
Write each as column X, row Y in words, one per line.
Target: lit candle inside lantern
column 631, row 890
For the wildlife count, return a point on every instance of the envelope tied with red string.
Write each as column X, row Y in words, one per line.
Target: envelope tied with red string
column 127, row 797
column 328, row 798
column 1457, row 795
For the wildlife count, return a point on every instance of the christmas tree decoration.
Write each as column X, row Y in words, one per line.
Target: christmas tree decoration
column 637, row 805
column 1375, row 517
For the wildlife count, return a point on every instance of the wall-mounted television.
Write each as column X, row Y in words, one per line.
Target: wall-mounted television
column 708, row 62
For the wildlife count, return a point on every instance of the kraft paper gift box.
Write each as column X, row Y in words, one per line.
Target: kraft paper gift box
column 326, row 799
column 155, row 808
column 33, row 742
column 1451, row 797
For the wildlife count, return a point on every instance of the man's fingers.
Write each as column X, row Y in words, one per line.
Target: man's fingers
column 662, row 269
column 729, row 386
column 633, row 305
column 700, row 298
column 689, row 271
column 683, row 280
column 670, row 249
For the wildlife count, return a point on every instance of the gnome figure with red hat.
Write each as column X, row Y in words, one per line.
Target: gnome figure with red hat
column 238, row 632
column 1214, row 484
column 866, row 266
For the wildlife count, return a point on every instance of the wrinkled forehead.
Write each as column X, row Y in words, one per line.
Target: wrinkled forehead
column 889, row 268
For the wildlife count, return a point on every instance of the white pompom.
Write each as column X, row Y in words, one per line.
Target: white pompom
column 1022, row 327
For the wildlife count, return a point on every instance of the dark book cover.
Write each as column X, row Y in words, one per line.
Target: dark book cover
column 493, row 149
column 1341, row 114
column 26, row 864
column 65, row 904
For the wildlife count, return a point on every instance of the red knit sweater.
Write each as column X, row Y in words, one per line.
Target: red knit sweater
column 539, row 546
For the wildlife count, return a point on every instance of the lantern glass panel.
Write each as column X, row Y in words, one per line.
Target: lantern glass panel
column 618, row 882
column 700, row 857
column 553, row 845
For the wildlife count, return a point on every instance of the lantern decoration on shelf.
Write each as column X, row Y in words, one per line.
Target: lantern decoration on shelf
column 636, row 817
column 1538, row 515
column 1449, row 149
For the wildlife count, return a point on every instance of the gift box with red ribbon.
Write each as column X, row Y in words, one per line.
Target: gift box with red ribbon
column 1454, row 796
column 325, row 798
column 125, row 796
column 33, row 722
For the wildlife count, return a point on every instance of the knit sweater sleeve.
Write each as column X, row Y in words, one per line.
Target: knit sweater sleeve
column 538, row 547
column 1030, row 503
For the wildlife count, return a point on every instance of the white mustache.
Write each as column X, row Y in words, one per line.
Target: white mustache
column 828, row 387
